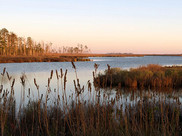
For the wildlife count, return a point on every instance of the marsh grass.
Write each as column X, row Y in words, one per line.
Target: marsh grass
column 150, row 76
column 98, row 115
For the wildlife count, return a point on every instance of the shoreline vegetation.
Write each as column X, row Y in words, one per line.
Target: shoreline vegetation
column 148, row 77
column 97, row 115
column 67, row 57
column 17, row 49
column 45, row 58
column 20, row 49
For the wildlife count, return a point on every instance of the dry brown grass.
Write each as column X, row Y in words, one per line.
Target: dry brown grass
column 98, row 115
column 68, row 57
column 150, row 76
column 45, row 58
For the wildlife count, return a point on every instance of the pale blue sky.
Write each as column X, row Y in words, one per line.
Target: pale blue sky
column 138, row 26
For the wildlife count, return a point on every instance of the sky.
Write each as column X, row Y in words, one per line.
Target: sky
column 105, row 26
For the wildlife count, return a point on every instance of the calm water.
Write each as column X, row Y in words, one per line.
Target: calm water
column 41, row 71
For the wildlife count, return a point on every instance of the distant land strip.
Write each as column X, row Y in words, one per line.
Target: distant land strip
column 68, row 57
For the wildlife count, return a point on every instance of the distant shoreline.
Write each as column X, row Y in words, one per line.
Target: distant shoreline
column 67, row 57
column 47, row 58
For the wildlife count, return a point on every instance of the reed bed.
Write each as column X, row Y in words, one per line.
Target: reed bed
column 98, row 115
column 150, row 76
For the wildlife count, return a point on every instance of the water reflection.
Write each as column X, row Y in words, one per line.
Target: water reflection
column 41, row 72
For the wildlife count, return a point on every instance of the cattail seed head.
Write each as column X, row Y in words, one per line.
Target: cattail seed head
column 61, row 73
column 13, row 83
column 73, row 65
column 57, row 75
column 51, row 74
column 4, row 70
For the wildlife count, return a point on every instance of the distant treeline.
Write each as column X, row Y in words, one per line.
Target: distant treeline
column 150, row 76
column 11, row 44
column 78, row 49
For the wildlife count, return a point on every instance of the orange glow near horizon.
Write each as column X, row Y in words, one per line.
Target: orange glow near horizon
column 104, row 26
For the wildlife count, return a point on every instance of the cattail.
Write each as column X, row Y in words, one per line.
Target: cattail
column 9, row 77
column 76, row 90
column 78, row 83
column 22, row 78
column 59, row 97
column 3, row 95
column 1, row 88
column 83, row 89
column 47, row 98
column 109, row 68
column 65, row 79
column 13, row 83
column 29, row 91
column 61, row 73
column 48, row 82
column 73, row 65
column 4, row 70
column 89, row 86
column 36, row 84
column 41, row 96
column 51, row 74
column 93, row 75
column 57, row 75
column 96, row 67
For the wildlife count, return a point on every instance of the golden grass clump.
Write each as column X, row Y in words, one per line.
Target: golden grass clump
column 150, row 76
